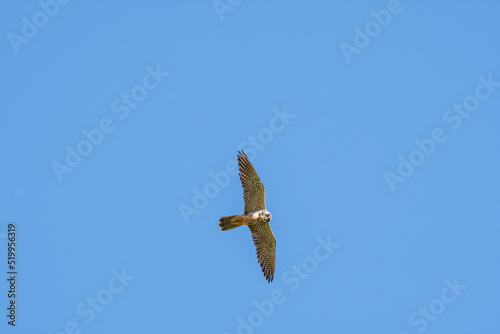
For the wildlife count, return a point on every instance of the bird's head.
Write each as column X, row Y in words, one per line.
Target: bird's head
column 268, row 216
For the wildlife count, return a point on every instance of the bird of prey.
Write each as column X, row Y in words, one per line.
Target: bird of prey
column 256, row 217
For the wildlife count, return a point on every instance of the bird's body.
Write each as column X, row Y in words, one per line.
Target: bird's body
column 255, row 216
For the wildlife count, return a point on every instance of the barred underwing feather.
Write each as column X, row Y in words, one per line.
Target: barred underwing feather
column 253, row 189
column 265, row 245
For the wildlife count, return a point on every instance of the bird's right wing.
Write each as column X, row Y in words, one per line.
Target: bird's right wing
column 253, row 189
column 265, row 245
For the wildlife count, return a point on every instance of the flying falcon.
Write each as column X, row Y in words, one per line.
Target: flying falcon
column 256, row 217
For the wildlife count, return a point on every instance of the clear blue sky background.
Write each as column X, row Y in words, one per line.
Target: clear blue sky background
column 353, row 117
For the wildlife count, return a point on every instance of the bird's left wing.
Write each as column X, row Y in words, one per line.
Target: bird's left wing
column 265, row 245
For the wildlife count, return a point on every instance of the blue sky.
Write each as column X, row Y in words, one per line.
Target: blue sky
column 374, row 128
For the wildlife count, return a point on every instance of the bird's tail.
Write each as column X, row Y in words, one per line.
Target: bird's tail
column 230, row 222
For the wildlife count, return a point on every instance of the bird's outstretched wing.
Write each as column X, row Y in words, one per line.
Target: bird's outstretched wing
column 265, row 245
column 253, row 189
